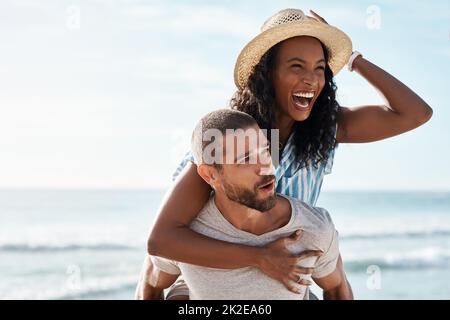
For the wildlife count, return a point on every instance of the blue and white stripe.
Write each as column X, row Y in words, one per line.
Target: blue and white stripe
column 301, row 183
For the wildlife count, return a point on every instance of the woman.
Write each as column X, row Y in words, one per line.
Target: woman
column 285, row 81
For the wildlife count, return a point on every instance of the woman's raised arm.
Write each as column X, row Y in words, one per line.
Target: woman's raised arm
column 172, row 238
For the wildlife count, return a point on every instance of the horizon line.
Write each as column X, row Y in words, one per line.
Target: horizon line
column 166, row 188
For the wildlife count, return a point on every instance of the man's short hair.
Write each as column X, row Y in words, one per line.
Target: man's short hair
column 220, row 120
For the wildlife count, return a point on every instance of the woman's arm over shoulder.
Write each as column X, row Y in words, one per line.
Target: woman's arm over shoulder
column 172, row 238
column 180, row 206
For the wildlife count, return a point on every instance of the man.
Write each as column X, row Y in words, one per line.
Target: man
column 245, row 209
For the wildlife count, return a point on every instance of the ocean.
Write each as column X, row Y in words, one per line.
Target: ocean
column 90, row 244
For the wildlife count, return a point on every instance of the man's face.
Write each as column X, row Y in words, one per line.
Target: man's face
column 248, row 178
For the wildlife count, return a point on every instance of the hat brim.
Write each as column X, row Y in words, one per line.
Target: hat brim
column 338, row 44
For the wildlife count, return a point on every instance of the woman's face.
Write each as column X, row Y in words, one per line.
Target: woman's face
column 298, row 76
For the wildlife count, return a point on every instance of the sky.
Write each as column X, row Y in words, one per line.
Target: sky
column 104, row 94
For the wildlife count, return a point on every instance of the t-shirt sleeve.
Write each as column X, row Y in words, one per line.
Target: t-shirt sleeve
column 188, row 157
column 166, row 265
column 326, row 263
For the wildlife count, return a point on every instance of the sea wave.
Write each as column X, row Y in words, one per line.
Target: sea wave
column 426, row 258
column 363, row 265
column 42, row 248
column 105, row 244
column 123, row 288
column 400, row 234
column 115, row 287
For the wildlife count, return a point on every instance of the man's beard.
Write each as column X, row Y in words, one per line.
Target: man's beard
column 249, row 198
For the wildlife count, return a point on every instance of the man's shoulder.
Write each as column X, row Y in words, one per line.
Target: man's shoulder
column 309, row 215
column 210, row 219
column 209, row 210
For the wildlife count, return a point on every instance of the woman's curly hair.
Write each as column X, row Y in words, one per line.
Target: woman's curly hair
column 314, row 138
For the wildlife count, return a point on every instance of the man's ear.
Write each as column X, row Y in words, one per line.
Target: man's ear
column 207, row 172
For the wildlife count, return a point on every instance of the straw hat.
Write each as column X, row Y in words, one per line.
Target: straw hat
column 286, row 24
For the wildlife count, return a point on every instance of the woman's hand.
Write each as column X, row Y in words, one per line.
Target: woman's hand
column 316, row 17
column 282, row 265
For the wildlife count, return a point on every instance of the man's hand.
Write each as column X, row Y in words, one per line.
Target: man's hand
column 280, row 264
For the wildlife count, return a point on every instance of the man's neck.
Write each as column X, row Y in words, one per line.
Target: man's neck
column 251, row 220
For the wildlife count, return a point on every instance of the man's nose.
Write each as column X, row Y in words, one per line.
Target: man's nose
column 265, row 164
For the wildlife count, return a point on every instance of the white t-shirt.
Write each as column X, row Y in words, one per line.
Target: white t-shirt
column 250, row 283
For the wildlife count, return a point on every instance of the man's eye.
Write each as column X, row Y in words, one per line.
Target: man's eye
column 296, row 66
column 321, row 68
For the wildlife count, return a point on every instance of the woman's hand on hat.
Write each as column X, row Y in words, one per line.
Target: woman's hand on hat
column 316, row 17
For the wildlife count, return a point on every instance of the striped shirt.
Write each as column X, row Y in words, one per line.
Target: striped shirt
column 303, row 184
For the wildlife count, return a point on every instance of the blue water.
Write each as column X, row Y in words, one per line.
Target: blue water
column 90, row 244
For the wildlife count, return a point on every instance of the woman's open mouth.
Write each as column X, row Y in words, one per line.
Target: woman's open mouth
column 302, row 100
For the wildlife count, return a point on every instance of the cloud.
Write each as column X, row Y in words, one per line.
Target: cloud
column 113, row 104
column 192, row 19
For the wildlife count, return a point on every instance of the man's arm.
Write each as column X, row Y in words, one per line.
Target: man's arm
column 153, row 281
column 335, row 285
